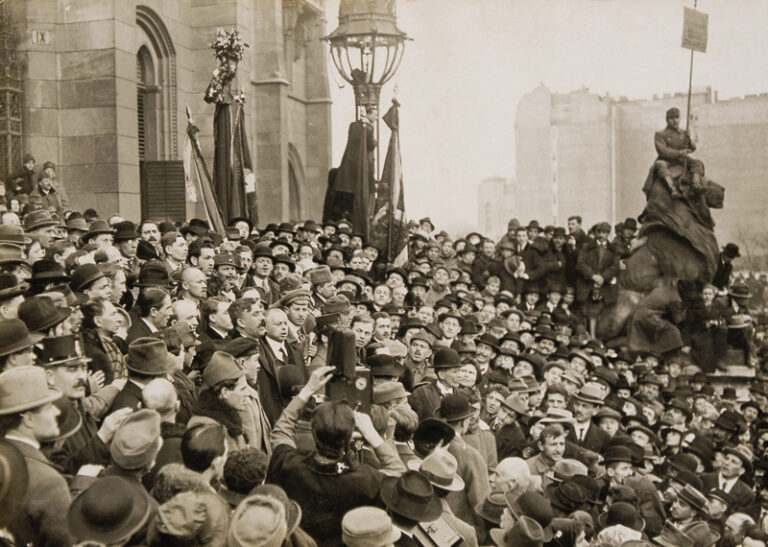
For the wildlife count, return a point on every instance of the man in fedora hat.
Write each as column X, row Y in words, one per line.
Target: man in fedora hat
column 27, row 419
column 147, row 359
column 17, row 344
column 585, row 433
column 472, row 468
column 689, row 505
column 440, row 468
column 738, row 460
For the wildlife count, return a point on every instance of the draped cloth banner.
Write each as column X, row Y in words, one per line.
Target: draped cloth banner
column 349, row 186
column 230, row 159
column 389, row 228
column 196, row 177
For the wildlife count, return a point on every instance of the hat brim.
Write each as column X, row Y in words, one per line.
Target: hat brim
column 457, row 484
column 68, row 361
column 21, row 288
column 82, row 530
column 598, row 402
column 429, row 512
column 28, row 342
column 53, row 394
column 639, row 524
column 15, row 482
column 62, row 314
column 748, row 465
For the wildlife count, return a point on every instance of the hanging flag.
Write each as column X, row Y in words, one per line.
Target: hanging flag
column 196, row 177
column 389, row 229
column 349, row 186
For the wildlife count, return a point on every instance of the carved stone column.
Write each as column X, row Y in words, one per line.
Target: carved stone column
column 11, row 98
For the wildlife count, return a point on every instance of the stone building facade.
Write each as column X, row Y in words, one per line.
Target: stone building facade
column 581, row 153
column 107, row 83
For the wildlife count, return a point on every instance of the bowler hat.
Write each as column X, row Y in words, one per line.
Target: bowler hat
column 153, row 274
column 14, row 336
column 433, row 431
column 84, row 275
column 455, row 407
column 41, row 313
column 109, row 511
column 526, row 532
column 411, row 495
column 622, row 513
column 731, row 250
column 10, row 286
column 125, row 230
column 368, row 527
column 61, row 350
column 196, row 226
column 446, row 358
column 41, row 218
column 285, row 227
column 630, row 224
column 23, row 388
column 148, row 356
column 489, row 340
column 617, row 453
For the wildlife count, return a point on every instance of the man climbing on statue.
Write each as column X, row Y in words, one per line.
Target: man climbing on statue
column 674, row 146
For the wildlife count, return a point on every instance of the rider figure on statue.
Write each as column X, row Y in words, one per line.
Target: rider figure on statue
column 674, row 146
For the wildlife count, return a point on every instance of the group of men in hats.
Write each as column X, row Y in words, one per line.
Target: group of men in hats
column 164, row 384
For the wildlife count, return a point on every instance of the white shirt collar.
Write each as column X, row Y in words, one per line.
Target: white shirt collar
column 277, row 347
column 152, row 328
column 26, row 440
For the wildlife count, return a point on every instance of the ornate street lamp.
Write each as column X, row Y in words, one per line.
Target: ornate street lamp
column 367, row 48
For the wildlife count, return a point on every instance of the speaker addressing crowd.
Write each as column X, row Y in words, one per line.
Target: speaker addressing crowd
column 164, row 384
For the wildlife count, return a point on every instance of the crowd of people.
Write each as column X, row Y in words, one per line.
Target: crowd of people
column 163, row 384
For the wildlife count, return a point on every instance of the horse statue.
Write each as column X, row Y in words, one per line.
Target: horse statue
column 674, row 256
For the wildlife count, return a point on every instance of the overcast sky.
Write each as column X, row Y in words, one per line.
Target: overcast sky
column 471, row 61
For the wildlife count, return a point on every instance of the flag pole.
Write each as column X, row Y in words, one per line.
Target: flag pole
column 690, row 85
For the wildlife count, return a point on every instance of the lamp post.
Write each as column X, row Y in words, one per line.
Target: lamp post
column 367, row 48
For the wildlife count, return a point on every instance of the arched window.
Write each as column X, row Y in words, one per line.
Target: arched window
column 161, row 169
